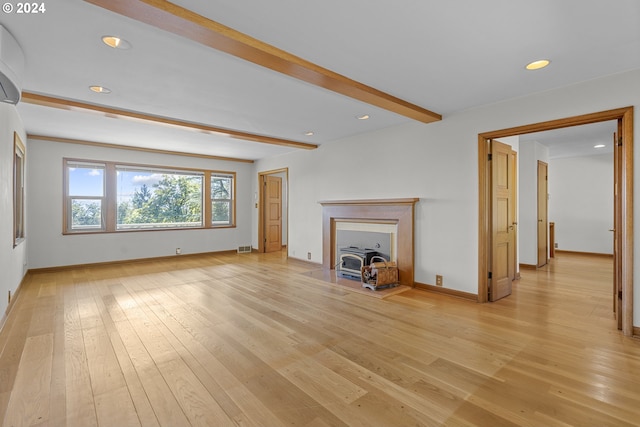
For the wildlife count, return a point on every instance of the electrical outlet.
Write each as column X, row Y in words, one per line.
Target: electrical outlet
column 178, row 251
column 438, row 280
column 555, row 245
column 308, row 255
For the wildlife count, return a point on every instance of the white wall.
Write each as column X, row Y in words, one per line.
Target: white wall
column 438, row 163
column 12, row 260
column 48, row 247
column 581, row 203
column 530, row 153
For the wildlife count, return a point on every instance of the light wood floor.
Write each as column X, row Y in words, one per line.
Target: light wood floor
column 254, row 340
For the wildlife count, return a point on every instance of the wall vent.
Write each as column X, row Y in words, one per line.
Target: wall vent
column 244, row 249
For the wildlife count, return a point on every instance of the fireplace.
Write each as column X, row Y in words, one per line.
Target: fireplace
column 397, row 212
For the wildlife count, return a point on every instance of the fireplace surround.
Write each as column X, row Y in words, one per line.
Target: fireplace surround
column 377, row 211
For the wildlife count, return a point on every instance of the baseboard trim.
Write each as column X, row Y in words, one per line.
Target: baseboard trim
column 583, row 253
column 130, row 261
column 636, row 332
column 12, row 303
column 528, row 267
column 446, row 291
column 306, row 261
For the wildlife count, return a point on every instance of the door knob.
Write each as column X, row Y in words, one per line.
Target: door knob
column 612, row 229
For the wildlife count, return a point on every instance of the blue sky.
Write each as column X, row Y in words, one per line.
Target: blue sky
column 87, row 181
column 90, row 182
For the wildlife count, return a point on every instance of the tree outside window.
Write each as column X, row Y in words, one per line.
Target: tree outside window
column 156, row 199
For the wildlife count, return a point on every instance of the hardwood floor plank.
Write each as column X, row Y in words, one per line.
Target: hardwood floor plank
column 80, row 405
column 58, row 403
column 29, row 404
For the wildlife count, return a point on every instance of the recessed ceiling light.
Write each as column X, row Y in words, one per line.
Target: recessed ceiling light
column 536, row 65
column 100, row 89
column 116, row 42
column 599, row 146
column 363, row 117
column 309, row 133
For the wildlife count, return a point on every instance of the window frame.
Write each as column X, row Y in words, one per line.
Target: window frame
column 68, row 199
column 110, row 203
column 230, row 200
column 19, row 164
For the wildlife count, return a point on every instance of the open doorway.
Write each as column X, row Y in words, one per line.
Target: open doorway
column 623, row 175
column 273, row 210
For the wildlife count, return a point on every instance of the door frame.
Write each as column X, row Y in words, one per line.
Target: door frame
column 261, row 204
column 624, row 116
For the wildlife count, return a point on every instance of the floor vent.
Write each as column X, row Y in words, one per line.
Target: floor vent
column 244, row 249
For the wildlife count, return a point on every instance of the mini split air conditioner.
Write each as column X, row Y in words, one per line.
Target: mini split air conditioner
column 11, row 68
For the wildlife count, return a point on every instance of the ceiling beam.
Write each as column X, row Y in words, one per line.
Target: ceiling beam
column 66, row 104
column 185, row 23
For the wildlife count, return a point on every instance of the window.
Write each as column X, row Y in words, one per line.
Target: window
column 114, row 197
column 85, row 196
column 221, row 199
column 154, row 198
column 18, row 190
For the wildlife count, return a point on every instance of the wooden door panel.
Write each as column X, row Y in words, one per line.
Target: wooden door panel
column 503, row 238
column 273, row 213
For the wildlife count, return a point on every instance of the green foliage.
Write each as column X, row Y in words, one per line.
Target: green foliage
column 221, row 195
column 141, row 196
column 85, row 213
column 174, row 199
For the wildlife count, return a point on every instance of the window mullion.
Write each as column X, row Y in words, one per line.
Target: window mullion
column 207, row 208
column 109, row 200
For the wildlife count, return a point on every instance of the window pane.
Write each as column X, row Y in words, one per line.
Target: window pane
column 86, row 180
column 221, row 187
column 158, row 199
column 86, row 214
column 220, row 212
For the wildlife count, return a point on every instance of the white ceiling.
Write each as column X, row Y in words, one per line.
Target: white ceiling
column 576, row 141
column 442, row 56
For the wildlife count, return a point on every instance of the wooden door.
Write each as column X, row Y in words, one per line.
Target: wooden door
column 617, row 240
column 273, row 213
column 514, row 212
column 543, row 220
column 503, row 249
